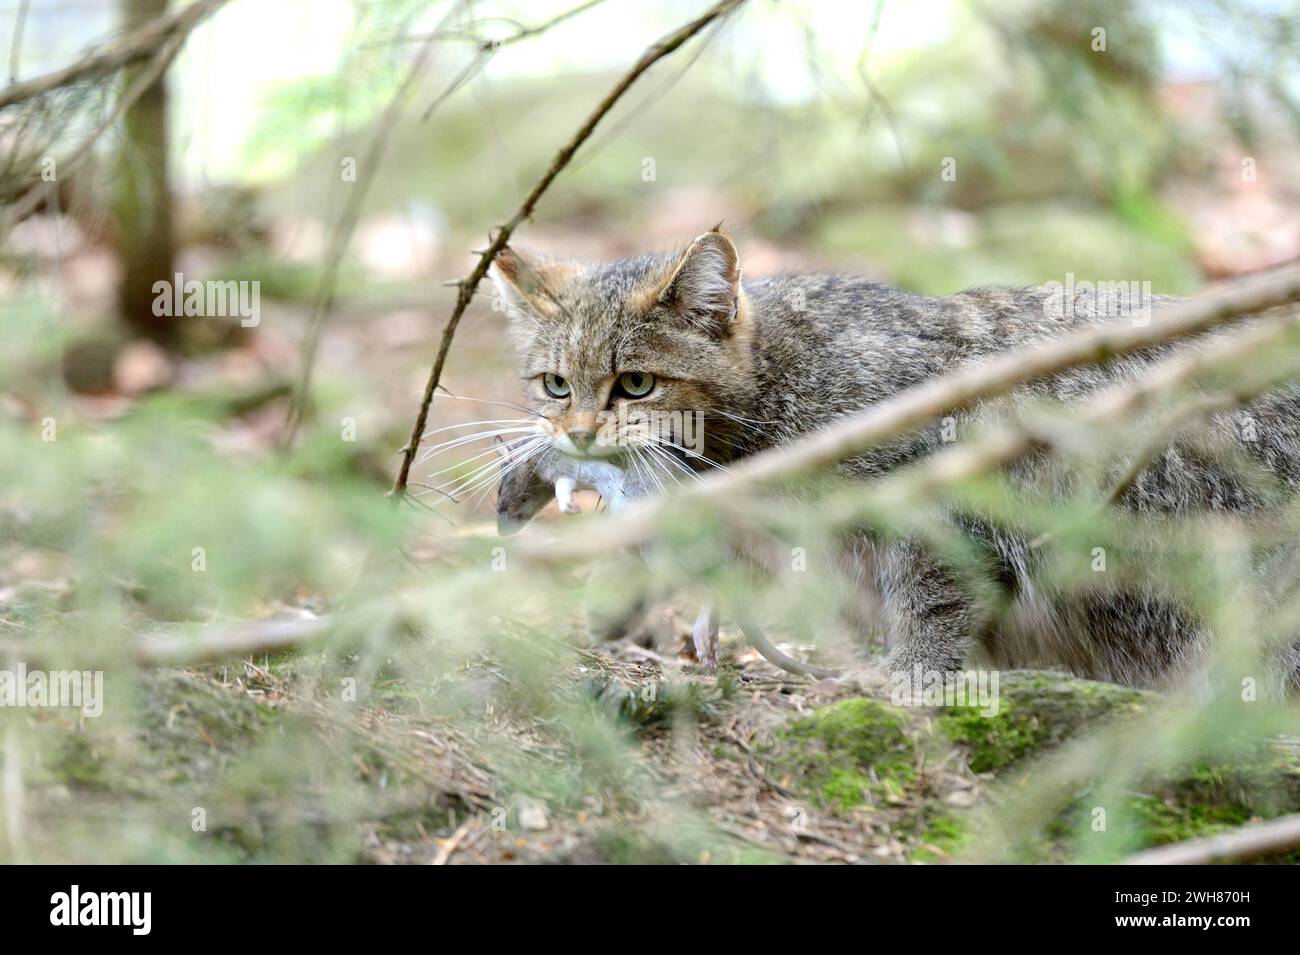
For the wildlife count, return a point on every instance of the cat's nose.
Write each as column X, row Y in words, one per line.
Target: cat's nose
column 581, row 437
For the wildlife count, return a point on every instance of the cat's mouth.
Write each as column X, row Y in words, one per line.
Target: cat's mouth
column 594, row 451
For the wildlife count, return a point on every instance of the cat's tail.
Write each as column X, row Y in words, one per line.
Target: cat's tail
column 754, row 634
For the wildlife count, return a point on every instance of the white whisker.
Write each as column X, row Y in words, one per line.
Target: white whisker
column 656, row 448
column 469, row 439
column 693, row 454
column 661, row 458
column 490, row 471
column 485, row 483
column 470, row 424
column 504, row 404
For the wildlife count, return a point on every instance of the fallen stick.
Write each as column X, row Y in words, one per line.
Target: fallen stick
column 1239, row 845
column 221, row 641
column 216, row 641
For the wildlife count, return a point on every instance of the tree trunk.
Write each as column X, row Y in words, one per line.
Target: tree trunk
column 142, row 199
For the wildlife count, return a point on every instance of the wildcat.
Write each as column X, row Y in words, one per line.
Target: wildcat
column 765, row 362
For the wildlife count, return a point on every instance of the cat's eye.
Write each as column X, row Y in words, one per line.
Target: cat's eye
column 636, row 384
column 555, row 386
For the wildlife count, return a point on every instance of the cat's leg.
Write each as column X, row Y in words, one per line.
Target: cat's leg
column 564, row 488
column 931, row 619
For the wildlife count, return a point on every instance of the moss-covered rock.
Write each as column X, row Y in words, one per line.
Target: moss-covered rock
column 845, row 754
column 1105, row 825
column 1036, row 711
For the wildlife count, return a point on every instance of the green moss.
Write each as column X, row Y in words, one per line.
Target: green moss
column 1035, row 712
column 1211, row 798
column 943, row 838
column 1160, row 821
column 1202, row 799
column 841, row 755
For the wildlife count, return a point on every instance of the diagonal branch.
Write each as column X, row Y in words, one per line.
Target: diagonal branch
column 467, row 286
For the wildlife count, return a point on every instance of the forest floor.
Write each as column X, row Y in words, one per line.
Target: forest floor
column 746, row 766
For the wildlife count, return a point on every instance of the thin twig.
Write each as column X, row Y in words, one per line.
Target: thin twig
column 521, row 32
column 343, row 231
column 468, row 285
column 16, row 47
column 487, row 48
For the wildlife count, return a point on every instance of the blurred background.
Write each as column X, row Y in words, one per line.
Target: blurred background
column 346, row 156
column 932, row 145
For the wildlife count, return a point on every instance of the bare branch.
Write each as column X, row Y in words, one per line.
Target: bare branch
column 1239, row 845
column 653, row 54
column 171, row 44
column 140, row 44
column 1005, row 445
column 1257, row 341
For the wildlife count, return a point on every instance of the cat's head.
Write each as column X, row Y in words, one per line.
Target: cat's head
column 615, row 354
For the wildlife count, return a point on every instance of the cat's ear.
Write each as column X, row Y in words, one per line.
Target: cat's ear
column 528, row 285
column 703, row 287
